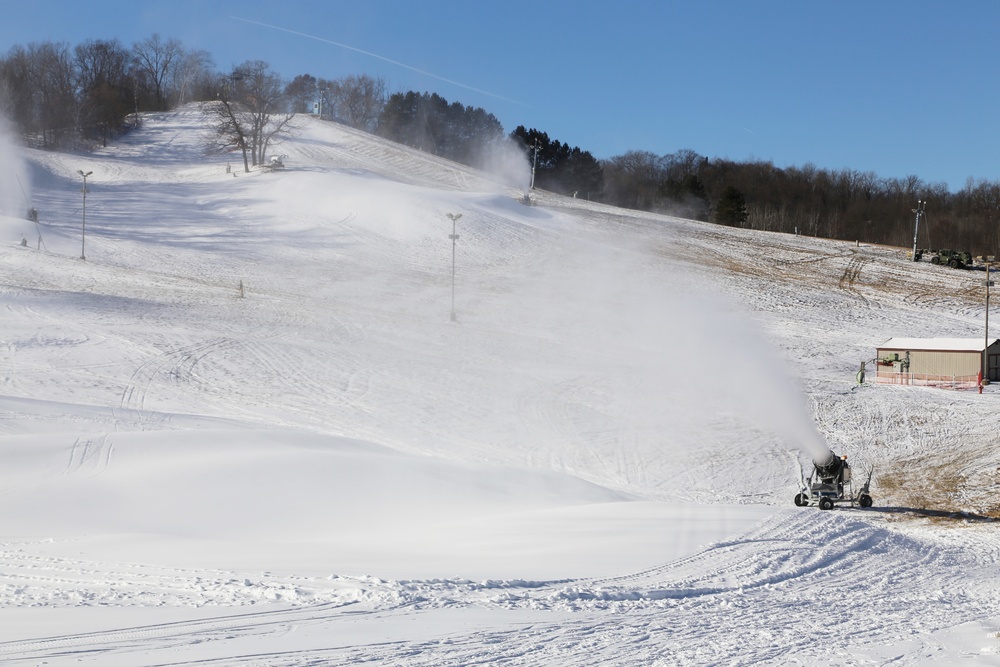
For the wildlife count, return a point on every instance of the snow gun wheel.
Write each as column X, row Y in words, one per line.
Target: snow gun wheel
column 865, row 500
column 825, row 504
column 800, row 500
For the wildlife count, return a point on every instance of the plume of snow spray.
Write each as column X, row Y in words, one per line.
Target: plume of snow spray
column 14, row 184
column 756, row 379
column 735, row 367
column 507, row 162
column 693, row 356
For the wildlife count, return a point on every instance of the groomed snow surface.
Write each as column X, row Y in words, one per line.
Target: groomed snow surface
column 246, row 429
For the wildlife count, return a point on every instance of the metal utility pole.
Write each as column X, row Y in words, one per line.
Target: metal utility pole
column 83, row 235
column 919, row 210
column 534, row 163
column 322, row 95
column 454, row 237
column 986, row 340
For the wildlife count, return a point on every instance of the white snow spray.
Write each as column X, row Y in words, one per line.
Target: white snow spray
column 730, row 366
column 750, row 376
column 506, row 162
column 14, row 183
column 690, row 364
column 713, row 348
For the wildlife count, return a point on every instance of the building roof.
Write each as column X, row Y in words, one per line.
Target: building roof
column 938, row 344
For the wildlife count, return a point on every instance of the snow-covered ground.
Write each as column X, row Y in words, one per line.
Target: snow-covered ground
column 246, row 430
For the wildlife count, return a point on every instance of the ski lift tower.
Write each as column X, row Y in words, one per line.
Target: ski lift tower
column 919, row 210
column 985, row 378
column 534, row 163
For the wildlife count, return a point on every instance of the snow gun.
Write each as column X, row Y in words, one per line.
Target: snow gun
column 831, row 483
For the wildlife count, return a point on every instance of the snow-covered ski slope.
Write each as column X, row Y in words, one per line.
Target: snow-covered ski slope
column 245, row 430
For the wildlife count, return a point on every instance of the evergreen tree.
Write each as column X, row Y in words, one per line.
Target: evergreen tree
column 301, row 93
column 731, row 208
column 432, row 124
column 559, row 168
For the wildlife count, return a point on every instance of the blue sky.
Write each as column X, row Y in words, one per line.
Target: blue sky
column 893, row 87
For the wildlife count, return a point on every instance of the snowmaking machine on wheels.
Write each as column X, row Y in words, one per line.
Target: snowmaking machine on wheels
column 831, row 483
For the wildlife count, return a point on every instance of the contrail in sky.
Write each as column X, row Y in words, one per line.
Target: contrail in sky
column 375, row 55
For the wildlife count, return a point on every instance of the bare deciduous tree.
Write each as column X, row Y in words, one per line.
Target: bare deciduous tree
column 192, row 76
column 633, row 179
column 7, row 93
column 261, row 92
column 230, row 131
column 248, row 114
column 359, row 100
column 42, row 100
column 105, row 87
column 154, row 59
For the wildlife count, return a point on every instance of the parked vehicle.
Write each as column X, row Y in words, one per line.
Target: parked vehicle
column 956, row 259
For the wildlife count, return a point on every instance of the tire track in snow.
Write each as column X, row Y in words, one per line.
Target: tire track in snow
column 165, row 636
column 582, row 436
column 177, row 365
column 839, row 549
column 849, row 280
column 319, row 392
column 90, row 455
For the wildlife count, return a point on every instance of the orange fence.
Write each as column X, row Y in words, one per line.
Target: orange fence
column 923, row 380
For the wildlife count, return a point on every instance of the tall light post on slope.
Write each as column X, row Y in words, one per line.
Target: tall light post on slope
column 919, row 210
column 83, row 235
column 322, row 96
column 454, row 238
column 986, row 340
column 534, row 163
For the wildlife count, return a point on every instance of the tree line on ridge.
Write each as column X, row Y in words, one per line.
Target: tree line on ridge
column 60, row 97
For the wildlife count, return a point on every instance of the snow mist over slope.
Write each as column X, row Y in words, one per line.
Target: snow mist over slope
column 507, row 162
column 680, row 357
column 15, row 187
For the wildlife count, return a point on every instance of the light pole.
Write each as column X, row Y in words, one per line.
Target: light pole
column 454, row 237
column 986, row 340
column 534, row 163
column 919, row 210
column 83, row 235
column 322, row 94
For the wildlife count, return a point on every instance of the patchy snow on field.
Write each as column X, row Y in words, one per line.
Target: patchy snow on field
column 247, row 430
